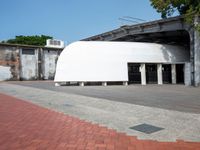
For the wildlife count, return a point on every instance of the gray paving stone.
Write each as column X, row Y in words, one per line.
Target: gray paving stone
column 113, row 114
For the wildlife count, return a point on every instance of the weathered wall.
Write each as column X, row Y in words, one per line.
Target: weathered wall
column 50, row 58
column 18, row 62
column 9, row 63
column 30, row 58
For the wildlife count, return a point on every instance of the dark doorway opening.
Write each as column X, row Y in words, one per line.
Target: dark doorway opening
column 179, row 73
column 166, row 73
column 134, row 74
column 151, row 73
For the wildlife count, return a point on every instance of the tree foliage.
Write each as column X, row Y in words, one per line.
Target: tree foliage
column 30, row 40
column 188, row 8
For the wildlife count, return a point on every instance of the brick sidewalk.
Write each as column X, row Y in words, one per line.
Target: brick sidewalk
column 26, row 126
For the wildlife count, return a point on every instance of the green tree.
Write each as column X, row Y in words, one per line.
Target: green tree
column 189, row 8
column 30, row 40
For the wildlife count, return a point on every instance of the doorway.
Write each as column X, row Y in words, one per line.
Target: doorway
column 166, row 73
column 151, row 73
column 180, row 73
column 134, row 74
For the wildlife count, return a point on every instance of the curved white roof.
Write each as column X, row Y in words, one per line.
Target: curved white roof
column 107, row 61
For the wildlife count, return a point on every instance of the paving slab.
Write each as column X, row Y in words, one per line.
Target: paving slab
column 116, row 115
column 167, row 96
column 27, row 126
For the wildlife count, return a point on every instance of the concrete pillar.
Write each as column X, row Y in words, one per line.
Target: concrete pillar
column 143, row 74
column 196, row 53
column 191, row 33
column 173, row 67
column 104, row 83
column 57, row 84
column 187, row 75
column 81, row 83
column 159, row 73
column 125, row 83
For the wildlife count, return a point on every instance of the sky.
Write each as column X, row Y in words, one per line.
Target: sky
column 69, row 20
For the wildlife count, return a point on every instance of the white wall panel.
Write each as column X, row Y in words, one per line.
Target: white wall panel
column 5, row 73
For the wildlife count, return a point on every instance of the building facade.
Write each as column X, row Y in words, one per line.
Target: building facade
column 173, row 31
column 87, row 62
column 25, row 62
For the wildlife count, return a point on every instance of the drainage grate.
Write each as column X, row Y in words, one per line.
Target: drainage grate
column 67, row 105
column 146, row 128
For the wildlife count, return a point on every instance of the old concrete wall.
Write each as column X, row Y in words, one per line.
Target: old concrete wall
column 29, row 64
column 19, row 62
column 50, row 58
column 9, row 63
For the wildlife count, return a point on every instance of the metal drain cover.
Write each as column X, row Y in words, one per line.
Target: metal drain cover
column 146, row 128
column 67, row 105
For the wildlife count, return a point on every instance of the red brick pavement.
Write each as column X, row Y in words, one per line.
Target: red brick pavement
column 26, row 126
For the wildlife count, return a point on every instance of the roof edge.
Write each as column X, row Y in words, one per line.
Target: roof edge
column 30, row 46
column 135, row 25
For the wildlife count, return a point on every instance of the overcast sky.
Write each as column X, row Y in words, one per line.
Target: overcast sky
column 69, row 20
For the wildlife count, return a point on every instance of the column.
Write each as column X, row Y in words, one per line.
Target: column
column 81, row 83
column 143, row 74
column 104, row 83
column 159, row 73
column 196, row 54
column 187, row 75
column 125, row 83
column 173, row 73
column 191, row 33
column 57, row 84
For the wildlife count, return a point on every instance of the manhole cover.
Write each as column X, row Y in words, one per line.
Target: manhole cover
column 67, row 105
column 146, row 128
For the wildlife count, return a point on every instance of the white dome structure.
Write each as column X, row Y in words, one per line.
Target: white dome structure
column 99, row 61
